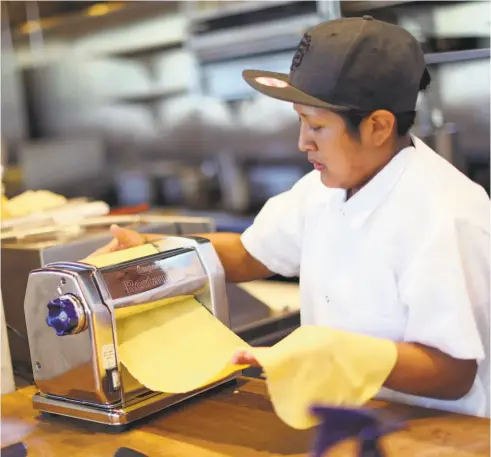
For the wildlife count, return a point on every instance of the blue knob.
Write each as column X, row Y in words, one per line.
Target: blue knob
column 65, row 315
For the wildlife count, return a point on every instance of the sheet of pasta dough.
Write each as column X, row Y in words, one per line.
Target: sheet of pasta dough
column 321, row 365
column 113, row 258
column 177, row 347
column 180, row 346
column 173, row 346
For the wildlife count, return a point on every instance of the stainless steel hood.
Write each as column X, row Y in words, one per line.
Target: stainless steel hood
column 251, row 28
column 281, row 35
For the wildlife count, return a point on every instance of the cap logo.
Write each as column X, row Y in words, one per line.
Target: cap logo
column 301, row 50
column 271, row 82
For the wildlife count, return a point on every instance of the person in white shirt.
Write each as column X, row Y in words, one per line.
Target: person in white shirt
column 387, row 237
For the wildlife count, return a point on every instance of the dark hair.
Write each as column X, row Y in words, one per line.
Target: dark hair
column 352, row 119
column 404, row 121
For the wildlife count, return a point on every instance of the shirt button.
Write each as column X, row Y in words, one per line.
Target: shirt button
column 327, row 299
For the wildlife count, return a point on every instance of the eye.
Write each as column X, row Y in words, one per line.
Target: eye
column 312, row 128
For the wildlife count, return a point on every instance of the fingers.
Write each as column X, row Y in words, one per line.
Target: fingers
column 123, row 239
column 245, row 358
column 112, row 246
column 127, row 238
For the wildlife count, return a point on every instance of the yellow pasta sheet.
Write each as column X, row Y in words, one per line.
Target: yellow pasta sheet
column 321, row 365
column 113, row 258
column 179, row 346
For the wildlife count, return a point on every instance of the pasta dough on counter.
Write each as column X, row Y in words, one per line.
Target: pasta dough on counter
column 178, row 346
column 30, row 202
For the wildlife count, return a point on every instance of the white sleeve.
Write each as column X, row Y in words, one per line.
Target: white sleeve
column 275, row 237
column 446, row 289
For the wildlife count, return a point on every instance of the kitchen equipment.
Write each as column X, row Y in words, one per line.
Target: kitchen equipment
column 27, row 250
column 71, row 310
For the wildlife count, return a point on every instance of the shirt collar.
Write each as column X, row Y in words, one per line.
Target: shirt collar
column 361, row 205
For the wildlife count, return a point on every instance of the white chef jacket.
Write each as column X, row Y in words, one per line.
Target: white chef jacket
column 406, row 258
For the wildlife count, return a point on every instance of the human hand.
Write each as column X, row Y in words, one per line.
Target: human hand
column 123, row 239
column 243, row 357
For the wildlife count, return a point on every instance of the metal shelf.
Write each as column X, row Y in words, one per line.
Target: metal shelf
column 79, row 23
column 233, row 10
column 357, row 7
column 146, row 51
column 348, row 6
column 148, row 97
column 436, row 58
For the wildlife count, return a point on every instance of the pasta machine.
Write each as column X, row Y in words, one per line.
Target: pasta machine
column 71, row 310
column 28, row 248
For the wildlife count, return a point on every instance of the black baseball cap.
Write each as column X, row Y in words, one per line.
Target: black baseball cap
column 350, row 64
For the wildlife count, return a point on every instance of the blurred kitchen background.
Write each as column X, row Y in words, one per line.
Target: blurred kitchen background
column 136, row 113
column 142, row 103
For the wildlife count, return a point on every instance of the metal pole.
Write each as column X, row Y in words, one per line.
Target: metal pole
column 35, row 36
column 329, row 9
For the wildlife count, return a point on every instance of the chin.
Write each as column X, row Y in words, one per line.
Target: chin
column 329, row 181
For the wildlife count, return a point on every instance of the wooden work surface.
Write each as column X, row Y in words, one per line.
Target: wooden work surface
column 234, row 422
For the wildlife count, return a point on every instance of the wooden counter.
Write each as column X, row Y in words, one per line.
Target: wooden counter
column 232, row 422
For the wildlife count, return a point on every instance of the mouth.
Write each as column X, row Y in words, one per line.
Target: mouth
column 317, row 165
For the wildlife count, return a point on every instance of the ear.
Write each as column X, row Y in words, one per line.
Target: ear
column 377, row 128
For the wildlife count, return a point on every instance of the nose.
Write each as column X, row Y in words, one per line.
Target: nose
column 305, row 141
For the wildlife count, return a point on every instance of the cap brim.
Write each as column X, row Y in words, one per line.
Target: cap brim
column 276, row 85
